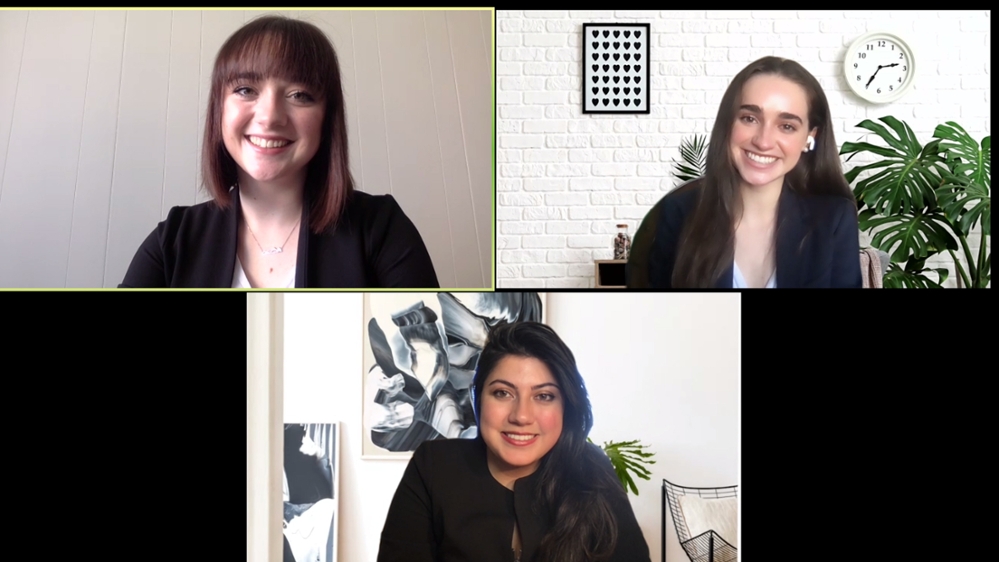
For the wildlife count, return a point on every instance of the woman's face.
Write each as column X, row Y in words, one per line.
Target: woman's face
column 770, row 130
column 521, row 417
column 271, row 128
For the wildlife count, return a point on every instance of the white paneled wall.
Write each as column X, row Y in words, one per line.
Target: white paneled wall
column 102, row 114
column 564, row 179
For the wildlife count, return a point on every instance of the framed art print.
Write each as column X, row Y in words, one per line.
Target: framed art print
column 311, row 491
column 616, row 68
column 420, row 355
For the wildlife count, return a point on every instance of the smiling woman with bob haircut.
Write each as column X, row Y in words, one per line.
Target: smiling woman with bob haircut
column 284, row 212
column 529, row 487
column 773, row 208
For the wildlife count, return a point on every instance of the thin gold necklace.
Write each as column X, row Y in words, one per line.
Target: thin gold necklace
column 275, row 249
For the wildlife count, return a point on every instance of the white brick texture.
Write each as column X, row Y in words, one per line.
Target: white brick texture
column 565, row 179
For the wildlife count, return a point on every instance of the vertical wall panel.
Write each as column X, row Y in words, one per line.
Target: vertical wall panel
column 473, row 74
column 413, row 144
column 41, row 166
column 183, row 122
column 92, row 203
column 467, row 260
column 137, row 187
column 12, row 32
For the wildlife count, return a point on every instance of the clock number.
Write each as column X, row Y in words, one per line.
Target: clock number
column 879, row 90
column 891, row 88
column 858, row 78
column 900, row 80
column 900, row 56
column 905, row 68
column 893, row 47
column 881, row 43
column 854, row 65
column 870, row 47
column 861, row 55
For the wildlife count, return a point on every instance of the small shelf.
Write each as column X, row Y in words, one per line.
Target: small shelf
column 610, row 274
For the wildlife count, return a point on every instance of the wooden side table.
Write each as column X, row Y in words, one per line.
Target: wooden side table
column 610, row 274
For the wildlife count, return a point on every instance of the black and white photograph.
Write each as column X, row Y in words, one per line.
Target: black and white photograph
column 421, row 350
column 311, row 483
column 615, row 68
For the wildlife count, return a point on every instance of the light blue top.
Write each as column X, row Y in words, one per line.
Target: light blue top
column 739, row 282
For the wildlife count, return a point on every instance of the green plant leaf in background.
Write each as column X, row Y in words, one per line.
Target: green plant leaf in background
column 693, row 155
column 904, row 236
column 628, row 457
column 920, row 201
column 907, row 175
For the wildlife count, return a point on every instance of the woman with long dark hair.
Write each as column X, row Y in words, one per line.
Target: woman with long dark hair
column 773, row 208
column 529, row 487
column 284, row 212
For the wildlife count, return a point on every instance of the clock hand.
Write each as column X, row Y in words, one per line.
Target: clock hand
column 873, row 75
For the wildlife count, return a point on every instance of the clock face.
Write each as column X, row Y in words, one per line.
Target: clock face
column 879, row 68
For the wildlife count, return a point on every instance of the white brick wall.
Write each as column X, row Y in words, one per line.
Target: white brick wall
column 566, row 179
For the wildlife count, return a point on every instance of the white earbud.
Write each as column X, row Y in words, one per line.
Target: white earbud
column 810, row 145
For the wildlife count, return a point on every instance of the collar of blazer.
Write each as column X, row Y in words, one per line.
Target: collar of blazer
column 224, row 278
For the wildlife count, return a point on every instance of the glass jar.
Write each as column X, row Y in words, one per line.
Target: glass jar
column 622, row 243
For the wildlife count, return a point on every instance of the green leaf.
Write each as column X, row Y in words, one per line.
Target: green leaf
column 907, row 236
column 693, row 154
column 898, row 278
column 627, row 458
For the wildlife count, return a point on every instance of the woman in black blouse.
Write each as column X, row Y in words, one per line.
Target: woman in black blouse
column 529, row 487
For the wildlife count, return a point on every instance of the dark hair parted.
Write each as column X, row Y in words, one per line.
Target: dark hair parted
column 706, row 246
column 575, row 483
column 299, row 52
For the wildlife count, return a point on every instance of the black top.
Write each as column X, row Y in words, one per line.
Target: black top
column 449, row 508
column 373, row 245
column 818, row 241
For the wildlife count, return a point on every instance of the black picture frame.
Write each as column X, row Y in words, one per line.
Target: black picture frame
column 616, row 64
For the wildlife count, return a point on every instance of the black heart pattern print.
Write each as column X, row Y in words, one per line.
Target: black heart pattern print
column 615, row 65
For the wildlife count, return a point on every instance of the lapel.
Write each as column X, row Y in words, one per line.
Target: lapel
column 224, row 276
column 302, row 261
column 227, row 257
column 790, row 233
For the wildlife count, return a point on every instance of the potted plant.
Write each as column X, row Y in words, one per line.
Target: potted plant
column 920, row 201
column 693, row 156
column 628, row 457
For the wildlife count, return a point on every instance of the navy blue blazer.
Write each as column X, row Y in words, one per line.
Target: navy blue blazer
column 818, row 241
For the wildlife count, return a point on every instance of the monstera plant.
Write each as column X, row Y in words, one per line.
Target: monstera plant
column 628, row 456
column 920, row 201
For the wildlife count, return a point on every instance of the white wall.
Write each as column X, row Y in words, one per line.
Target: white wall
column 102, row 116
column 564, row 179
column 660, row 368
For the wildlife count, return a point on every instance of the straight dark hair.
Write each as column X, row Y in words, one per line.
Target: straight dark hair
column 295, row 51
column 707, row 244
column 574, row 484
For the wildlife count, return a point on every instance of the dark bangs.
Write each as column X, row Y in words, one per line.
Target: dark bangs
column 276, row 48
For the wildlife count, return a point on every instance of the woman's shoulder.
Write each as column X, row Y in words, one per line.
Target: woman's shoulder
column 829, row 207
column 367, row 204
column 196, row 217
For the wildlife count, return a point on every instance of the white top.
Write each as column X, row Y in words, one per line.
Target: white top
column 739, row 282
column 239, row 280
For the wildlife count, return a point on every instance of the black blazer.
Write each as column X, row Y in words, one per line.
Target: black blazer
column 818, row 241
column 373, row 245
column 449, row 508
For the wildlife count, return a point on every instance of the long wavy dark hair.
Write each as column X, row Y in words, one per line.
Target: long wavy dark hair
column 707, row 245
column 574, row 483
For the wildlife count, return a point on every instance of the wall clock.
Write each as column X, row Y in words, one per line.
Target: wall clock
column 880, row 67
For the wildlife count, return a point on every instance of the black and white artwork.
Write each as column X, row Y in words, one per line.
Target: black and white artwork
column 420, row 354
column 311, row 484
column 616, row 68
